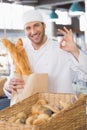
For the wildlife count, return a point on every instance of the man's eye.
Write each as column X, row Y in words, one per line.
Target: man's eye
column 27, row 28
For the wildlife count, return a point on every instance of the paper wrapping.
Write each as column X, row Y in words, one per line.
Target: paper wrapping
column 33, row 83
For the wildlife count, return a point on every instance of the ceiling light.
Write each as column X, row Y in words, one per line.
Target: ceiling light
column 53, row 15
column 76, row 9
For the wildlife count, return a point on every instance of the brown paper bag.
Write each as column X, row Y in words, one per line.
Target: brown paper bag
column 34, row 83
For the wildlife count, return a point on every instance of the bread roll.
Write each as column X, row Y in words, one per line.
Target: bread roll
column 43, row 116
column 30, row 119
column 21, row 115
column 51, row 108
column 42, row 102
column 20, row 121
column 41, row 119
column 38, row 107
column 35, row 109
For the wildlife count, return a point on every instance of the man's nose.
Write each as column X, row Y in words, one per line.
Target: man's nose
column 33, row 31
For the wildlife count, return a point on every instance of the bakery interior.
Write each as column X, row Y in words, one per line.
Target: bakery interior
column 11, row 29
column 56, row 14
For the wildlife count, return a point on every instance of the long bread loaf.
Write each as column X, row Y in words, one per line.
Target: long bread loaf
column 18, row 55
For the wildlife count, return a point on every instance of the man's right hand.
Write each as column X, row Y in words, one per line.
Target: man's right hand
column 14, row 84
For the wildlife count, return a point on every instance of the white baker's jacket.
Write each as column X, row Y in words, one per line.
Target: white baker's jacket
column 57, row 63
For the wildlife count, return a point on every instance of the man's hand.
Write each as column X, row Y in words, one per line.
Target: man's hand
column 14, row 84
column 67, row 42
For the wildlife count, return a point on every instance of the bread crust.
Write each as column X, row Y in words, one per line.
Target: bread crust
column 18, row 55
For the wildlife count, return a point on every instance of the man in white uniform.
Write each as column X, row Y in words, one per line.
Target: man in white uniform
column 48, row 56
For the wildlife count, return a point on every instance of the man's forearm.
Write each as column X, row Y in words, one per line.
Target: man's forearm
column 76, row 53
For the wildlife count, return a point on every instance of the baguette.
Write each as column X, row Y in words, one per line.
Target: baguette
column 19, row 56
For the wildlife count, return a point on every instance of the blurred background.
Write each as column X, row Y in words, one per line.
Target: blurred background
column 56, row 13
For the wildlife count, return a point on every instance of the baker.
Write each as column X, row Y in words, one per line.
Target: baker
column 48, row 56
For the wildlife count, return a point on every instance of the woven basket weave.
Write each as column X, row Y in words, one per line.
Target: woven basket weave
column 72, row 118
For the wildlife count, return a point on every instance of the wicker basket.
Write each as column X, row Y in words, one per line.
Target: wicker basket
column 73, row 118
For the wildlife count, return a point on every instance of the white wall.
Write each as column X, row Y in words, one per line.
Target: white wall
column 49, row 25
